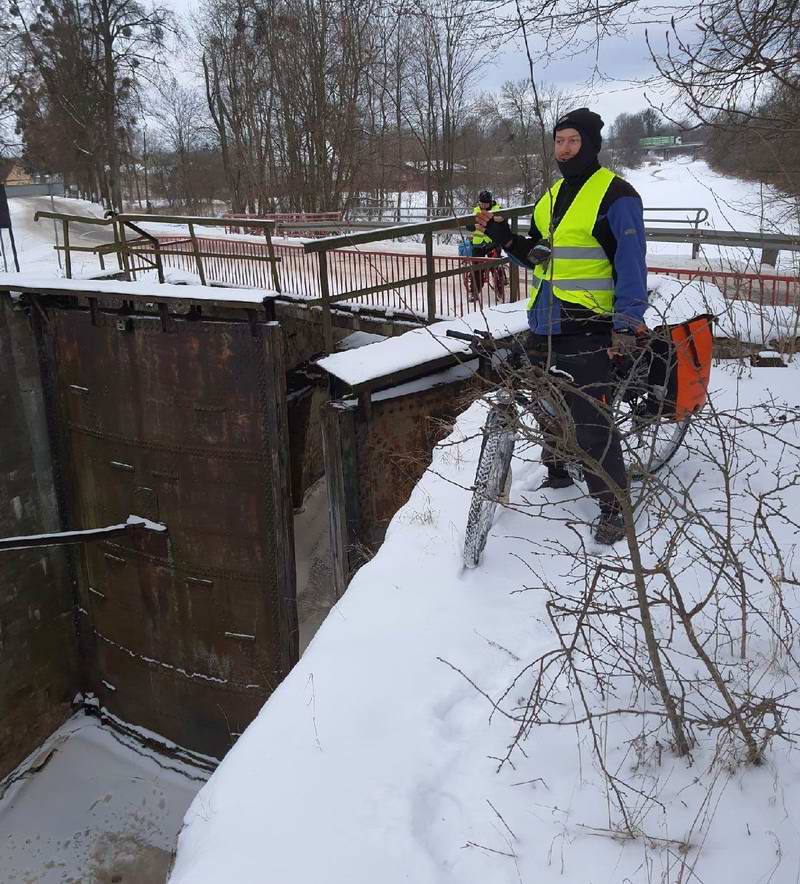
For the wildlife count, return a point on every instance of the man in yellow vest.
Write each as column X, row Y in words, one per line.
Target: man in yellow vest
column 482, row 244
column 587, row 250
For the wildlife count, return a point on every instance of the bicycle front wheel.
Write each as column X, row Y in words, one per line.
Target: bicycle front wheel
column 492, row 479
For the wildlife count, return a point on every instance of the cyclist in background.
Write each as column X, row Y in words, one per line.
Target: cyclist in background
column 588, row 296
column 482, row 244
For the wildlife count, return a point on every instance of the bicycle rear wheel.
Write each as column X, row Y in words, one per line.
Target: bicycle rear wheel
column 492, row 479
column 649, row 441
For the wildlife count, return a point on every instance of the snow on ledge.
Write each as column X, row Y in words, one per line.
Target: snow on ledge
column 150, row 288
column 423, row 345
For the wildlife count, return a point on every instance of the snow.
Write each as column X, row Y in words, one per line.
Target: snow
column 671, row 301
column 358, row 339
column 148, row 524
column 377, row 760
column 423, row 345
column 102, row 806
column 14, row 281
column 732, row 204
column 131, row 521
column 35, row 239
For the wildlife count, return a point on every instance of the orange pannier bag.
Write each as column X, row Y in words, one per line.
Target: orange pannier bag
column 680, row 367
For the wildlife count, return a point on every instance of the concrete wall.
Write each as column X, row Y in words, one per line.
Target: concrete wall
column 39, row 670
column 395, row 448
column 374, row 457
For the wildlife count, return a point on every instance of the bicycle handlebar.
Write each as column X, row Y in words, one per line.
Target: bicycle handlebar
column 480, row 337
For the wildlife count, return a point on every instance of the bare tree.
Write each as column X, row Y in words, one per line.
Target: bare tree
column 446, row 36
column 87, row 58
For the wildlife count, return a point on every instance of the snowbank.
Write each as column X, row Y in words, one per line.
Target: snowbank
column 377, row 761
column 733, row 204
column 673, row 300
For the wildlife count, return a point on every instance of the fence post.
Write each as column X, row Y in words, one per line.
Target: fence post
column 197, row 258
column 327, row 324
column 429, row 272
column 276, row 282
column 67, row 256
column 123, row 249
column 159, row 262
column 513, row 271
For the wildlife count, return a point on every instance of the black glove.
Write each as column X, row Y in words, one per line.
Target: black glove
column 540, row 253
column 499, row 231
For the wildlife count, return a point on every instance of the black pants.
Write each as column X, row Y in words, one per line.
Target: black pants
column 587, row 389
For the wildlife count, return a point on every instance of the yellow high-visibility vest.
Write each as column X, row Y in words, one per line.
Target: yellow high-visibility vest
column 579, row 270
column 478, row 238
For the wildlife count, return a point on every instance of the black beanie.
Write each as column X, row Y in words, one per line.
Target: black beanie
column 587, row 122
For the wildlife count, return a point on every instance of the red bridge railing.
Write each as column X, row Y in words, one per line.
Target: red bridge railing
column 241, row 262
column 762, row 288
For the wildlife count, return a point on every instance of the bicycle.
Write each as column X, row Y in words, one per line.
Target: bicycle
column 496, row 277
column 649, row 439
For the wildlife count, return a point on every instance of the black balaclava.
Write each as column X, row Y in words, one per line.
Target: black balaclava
column 584, row 163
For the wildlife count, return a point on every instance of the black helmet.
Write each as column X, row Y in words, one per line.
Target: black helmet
column 485, row 196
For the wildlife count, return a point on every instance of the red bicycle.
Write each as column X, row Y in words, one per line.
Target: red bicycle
column 479, row 276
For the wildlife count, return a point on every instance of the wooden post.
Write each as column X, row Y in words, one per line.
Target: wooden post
column 159, row 262
column 513, row 268
column 197, row 257
column 67, row 255
column 276, row 444
column 327, row 320
column 429, row 271
column 769, row 256
column 123, row 250
column 341, row 475
column 276, row 281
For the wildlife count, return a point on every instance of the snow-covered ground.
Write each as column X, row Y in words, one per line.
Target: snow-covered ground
column 100, row 810
column 732, row 204
column 35, row 239
column 381, row 756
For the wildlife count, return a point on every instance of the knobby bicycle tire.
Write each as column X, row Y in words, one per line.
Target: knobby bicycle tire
column 651, row 453
column 491, row 479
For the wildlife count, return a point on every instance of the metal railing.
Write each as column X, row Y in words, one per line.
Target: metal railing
column 762, row 288
column 692, row 216
column 126, row 250
column 285, row 220
column 337, row 270
column 389, row 280
column 324, row 247
column 769, row 244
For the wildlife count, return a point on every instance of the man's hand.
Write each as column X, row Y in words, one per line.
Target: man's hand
column 496, row 227
column 482, row 219
column 540, row 253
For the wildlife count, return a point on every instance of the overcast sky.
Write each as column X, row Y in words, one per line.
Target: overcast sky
column 627, row 61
